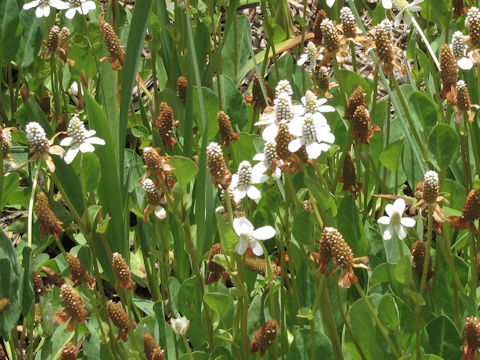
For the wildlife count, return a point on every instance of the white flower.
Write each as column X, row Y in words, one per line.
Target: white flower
column 243, row 180
column 82, row 6
column 43, row 6
column 313, row 133
column 396, row 223
column 267, row 160
column 403, row 6
column 309, row 57
column 80, row 139
column 330, row 3
column 283, row 86
column 180, row 325
column 249, row 236
column 315, row 106
column 387, row 4
column 459, row 49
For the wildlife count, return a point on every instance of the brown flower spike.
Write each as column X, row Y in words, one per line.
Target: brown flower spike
column 257, row 98
column 362, row 131
column 264, row 337
column 317, row 32
column 69, row 352
column 357, row 98
column 349, row 177
column 228, row 135
column 79, row 272
column 114, row 46
column 473, row 21
column 182, row 85
column 449, row 74
column 51, row 44
column 53, row 277
column 158, row 166
column 471, row 333
column 333, row 247
column 214, row 271
column 122, row 272
column 471, row 212
column 120, row 319
column 165, row 124
column 221, row 176
column 48, row 221
column 418, row 259
column 149, row 345
column 74, row 308
column 38, row 287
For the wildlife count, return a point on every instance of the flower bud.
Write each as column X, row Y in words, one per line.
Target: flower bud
column 214, row 270
column 48, row 221
column 226, row 128
column 149, row 345
column 322, row 78
column 114, row 46
column 362, row 131
column 349, row 24
column 64, row 44
column 430, row 187
column 471, row 333
column 317, row 32
column 449, row 73
column 418, row 259
column 264, row 337
column 383, row 41
column 473, row 21
column 257, row 94
column 357, row 98
column 165, row 124
column 79, row 272
column 52, row 41
column 38, row 287
column 463, row 97
column 122, row 272
column 282, row 140
column 349, row 177
column 180, row 326
column 221, row 176
column 74, row 306
column 37, row 138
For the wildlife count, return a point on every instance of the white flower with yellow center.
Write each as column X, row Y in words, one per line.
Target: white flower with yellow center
column 43, row 6
column 309, row 57
column 248, row 236
column 81, row 6
column 405, row 7
column 243, row 180
column 459, row 49
column 395, row 222
column 80, row 139
column 267, row 160
column 312, row 132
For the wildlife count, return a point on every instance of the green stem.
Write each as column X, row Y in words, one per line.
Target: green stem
column 30, row 206
column 473, row 268
column 187, row 347
column 378, row 322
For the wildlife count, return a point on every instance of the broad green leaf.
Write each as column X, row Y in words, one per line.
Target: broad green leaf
column 53, row 344
column 352, row 80
column 211, row 108
column 219, row 302
column 243, row 148
column 10, row 184
column 390, row 156
column 31, row 38
column 388, row 312
column 233, row 103
column 302, row 346
column 90, row 172
column 443, row 338
column 425, row 109
column 185, row 169
column 351, row 227
column 443, row 143
column 324, row 201
column 236, row 51
column 303, row 229
column 9, row 20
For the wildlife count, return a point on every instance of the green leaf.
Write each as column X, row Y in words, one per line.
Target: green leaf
column 233, row 103
column 390, row 156
column 211, row 108
column 238, row 51
column 26, row 288
column 352, row 80
column 219, row 302
column 388, row 312
column 31, row 38
column 10, row 184
column 8, row 29
column 243, row 148
column 443, row 143
column 90, row 172
column 425, row 109
column 324, row 201
column 185, row 169
column 189, row 304
column 134, row 47
column 301, row 347
column 443, row 338
column 350, row 225
column 303, row 229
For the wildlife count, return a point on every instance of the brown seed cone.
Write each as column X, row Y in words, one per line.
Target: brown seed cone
column 357, row 98
column 330, row 35
column 459, row 8
column 52, row 41
column 158, row 354
column 349, row 25
column 122, row 272
column 74, row 308
column 226, row 129
column 322, row 79
column 471, row 333
column 471, row 211
column 38, row 287
column 48, row 221
column 165, row 124
column 349, row 177
column 449, row 74
column 214, row 270
column 258, row 265
column 383, row 44
column 182, row 85
column 53, row 277
column 160, row 167
column 221, row 176
column 473, row 20
column 64, row 44
column 114, row 46
column 317, row 32
column 463, row 97
column 362, row 131
column 44, row 103
column 120, row 319
column 264, row 337
column 69, row 352
column 4, row 304
column 149, row 345
column 282, row 140
column 418, row 258
column 257, row 97
column 79, row 272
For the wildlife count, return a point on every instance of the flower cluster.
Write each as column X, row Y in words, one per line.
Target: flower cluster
column 72, row 7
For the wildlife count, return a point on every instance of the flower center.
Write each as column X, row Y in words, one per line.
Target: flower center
column 244, row 174
column 247, row 236
column 283, row 107
column 458, row 44
column 395, row 219
column 309, row 130
column 400, row 4
column 76, row 129
column 76, row 3
column 310, row 102
column 270, row 153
